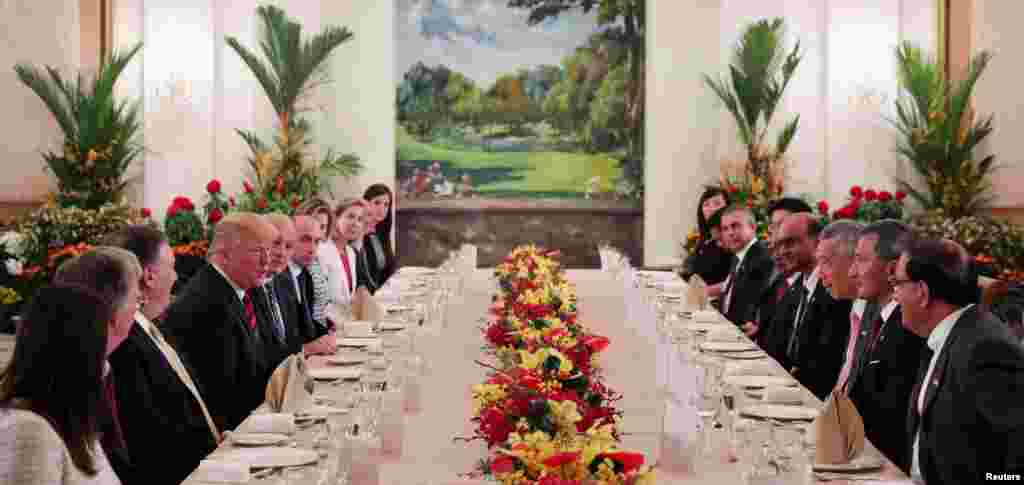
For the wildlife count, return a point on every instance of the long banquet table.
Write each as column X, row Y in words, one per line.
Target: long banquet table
column 432, row 457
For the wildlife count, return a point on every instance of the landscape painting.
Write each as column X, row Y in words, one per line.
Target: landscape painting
column 529, row 102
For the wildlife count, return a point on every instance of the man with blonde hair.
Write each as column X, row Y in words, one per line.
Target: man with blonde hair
column 214, row 324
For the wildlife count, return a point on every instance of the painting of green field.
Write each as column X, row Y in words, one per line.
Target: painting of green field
column 520, row 174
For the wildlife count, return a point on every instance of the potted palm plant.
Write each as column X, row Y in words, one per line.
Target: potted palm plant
column 99, row 131
column 760, row 71
column 939, row 135
column 293, row 68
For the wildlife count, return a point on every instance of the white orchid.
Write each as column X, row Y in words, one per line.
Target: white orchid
column 14, row 267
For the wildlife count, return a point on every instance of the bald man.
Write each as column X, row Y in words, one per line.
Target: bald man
column 816, row 340
column 214, row 325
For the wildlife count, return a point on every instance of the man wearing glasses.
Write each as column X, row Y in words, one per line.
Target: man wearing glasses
column 966, row 417
column 213, row 324
column 885, row 355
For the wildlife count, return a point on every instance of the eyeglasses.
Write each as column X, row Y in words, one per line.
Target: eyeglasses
column 897, row 282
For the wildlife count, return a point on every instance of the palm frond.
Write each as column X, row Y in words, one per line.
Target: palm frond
column 267, row 80
column 52, row 93
column 786, row 136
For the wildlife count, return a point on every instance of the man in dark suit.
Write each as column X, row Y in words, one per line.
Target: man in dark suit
column 751, row 269
column 282, row 319
column 885, row 354
column 213, row 323
column 818, row 330
column 316, row 338
column 966, row 416
column 780, row 280
column 160, row 407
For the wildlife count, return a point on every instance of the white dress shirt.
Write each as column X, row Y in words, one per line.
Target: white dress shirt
column 936, row 341
column 337, row 282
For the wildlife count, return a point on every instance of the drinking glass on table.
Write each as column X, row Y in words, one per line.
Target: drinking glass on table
column 708, row 403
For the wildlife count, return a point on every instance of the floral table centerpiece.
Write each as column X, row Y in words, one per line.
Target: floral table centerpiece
column 544, row 412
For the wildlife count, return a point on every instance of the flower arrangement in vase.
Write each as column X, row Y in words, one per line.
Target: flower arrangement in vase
column 868, row 205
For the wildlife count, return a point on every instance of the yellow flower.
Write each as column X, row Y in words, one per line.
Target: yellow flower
column 756, row 185
column 566, row 415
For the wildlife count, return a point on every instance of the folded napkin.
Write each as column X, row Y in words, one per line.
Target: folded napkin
column 268, row 423
column 756, row 368
column 840, row 431
column 290, row 389
column 697, row 292
column 783, row 395
column 215, row 471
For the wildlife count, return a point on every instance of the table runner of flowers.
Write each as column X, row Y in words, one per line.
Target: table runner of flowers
column 544, row 411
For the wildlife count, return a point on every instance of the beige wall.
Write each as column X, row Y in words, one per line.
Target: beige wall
column 195, row 92
column 29, row 129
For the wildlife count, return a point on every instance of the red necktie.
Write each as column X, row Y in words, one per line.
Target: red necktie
column 348, row 267
column 250, row 312
column 780, row 291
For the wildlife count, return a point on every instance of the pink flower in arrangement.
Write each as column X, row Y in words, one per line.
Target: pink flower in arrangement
column 213, row 187
column 231, row 200
column 247, row 186
column 146, row 213
column 856, row 192
column 183, row 203
column 870, row 195
column 900, row 196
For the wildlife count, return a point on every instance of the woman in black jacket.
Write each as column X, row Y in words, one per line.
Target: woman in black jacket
column 376, row 257
column 709, row 260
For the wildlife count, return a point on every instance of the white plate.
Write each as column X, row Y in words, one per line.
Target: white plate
column 398, row 308
column 319, row 412
column 258, row 439
column 348, row 358
column 358, row 342
column 670, row 296
column 861, row 463
column 780, row 412
column 335, row 373
column 746, row 355
column 754, row 382
column 269, row 457
column 419, row 270
column 728, row 346
column 392, row 326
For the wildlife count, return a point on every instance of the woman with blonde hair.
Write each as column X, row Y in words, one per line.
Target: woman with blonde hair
column 338, row 257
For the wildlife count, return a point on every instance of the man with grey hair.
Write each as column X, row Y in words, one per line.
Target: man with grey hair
column 885, row 354
column 751, row 268
column 213, row 323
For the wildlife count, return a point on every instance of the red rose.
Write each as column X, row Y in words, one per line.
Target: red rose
column 901, row 195
column 247, row 186
column 280, row 185
column 560, row 459
column 183, row 203
column 854, row 204
column 884, row 196
column 849, row 212
column 172, row 211
column 856, row 192
column 213, row 187
column 215, row 216
column 823, row 208
column 231, row 200
column 596, row 343
column 146, row 212
column 870, row 195
column 497, row 335
column 732, row 189
column 503, row 464
column 262, row 204
column 296, row 202
column 495, row 426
